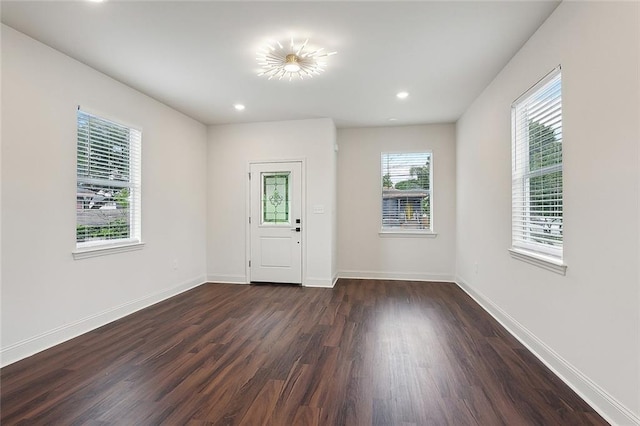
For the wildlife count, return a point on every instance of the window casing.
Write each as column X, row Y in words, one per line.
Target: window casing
column 407, row 182
column 108, row 183
column 537, row 171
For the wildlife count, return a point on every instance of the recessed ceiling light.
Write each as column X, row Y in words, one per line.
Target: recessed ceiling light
column 96, row 1
column 239, row 107
column 393, row 119
column 402, row 95
column 289, row 60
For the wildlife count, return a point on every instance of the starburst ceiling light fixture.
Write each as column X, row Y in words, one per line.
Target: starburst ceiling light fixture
column 278, row 61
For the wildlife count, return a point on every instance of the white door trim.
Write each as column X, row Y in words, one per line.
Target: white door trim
column 303, row 213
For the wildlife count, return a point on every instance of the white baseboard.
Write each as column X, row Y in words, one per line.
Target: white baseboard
column 227, row 279
column 397, row 276
column 48, row 339
column 606, row 405
column 336, row 277
column 318, row 282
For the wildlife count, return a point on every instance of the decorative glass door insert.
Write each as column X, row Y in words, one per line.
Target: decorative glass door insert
column 276, row 194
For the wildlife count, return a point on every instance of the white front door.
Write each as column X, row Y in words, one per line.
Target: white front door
column 276, row 216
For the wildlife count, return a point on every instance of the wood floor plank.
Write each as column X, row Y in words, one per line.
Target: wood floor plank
column 261, row 410
column 363, row 353
column 308, row 416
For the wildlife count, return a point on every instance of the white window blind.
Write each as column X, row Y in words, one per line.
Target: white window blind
column 406, row 191
column 537, row 212
column 108, row 182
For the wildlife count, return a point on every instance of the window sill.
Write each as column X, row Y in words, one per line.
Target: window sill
column 104, row 250
column 540, row 260
column 407, row 234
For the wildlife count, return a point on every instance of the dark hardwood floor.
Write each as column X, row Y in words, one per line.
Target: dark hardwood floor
column 365, row 352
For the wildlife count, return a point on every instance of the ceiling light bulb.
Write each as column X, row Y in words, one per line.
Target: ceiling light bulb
column 402, row 95
column 239, row 107
column 290, row 60
column 291, row 63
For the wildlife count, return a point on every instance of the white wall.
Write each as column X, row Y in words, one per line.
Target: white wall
column 362, row 251
column 231, row 149
column 47, row 297
column 585, row 325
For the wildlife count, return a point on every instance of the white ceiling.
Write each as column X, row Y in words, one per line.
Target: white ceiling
column 200, row 57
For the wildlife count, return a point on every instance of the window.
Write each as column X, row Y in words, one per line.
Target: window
column 406, row 191
column 108, row 183
column 537, row 169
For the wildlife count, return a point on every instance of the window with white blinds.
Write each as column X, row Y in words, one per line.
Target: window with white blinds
column 406, row 191
column 108, row 182
column 537, row 213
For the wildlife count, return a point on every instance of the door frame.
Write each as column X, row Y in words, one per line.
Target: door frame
column 303, row 213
